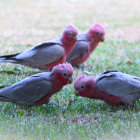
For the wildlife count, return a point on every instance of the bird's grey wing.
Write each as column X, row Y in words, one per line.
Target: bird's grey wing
column 119, row 84
column 83, row 37
column 28, row 90
column 41, row 55
column 80, row 49
column 48, row 44
column 107, row 74
column 43, row 46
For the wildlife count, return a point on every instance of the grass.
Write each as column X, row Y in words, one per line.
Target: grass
column 27, row 23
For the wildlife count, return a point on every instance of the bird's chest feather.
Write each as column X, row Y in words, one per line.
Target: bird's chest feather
column 57, row 86
column 43, row 100
column 82, row 57
column 51, row 65
column 47, row 97
column 110, row 99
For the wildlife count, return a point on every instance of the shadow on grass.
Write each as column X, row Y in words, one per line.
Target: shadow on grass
column 80, row 106
column 18, row 110
column 96, row 106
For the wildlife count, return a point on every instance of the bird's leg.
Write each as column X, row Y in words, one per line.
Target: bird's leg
column 54, row 104
column 25, row 106
column 77, row 66
column 81, row 66
column 133, row 105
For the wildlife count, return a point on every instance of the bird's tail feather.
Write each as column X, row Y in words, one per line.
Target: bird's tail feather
column 4, row 99
column 9, row 58
column 10, row 61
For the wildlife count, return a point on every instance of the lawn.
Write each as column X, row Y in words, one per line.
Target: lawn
column 24, row 24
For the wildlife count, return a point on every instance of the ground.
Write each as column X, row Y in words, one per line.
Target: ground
column 24, row 24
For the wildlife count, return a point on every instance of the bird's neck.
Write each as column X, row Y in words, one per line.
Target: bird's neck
column 92, row 90
column 93, row 45
column 110, row 99
column 57, row 83
column 93, row 93
column 68, row 45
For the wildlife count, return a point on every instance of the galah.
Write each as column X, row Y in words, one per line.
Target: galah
column 85, row 44
column 48, row 54
column 37, row 89
column 114, row 87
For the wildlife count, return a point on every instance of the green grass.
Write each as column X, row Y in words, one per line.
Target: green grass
column 27, row 23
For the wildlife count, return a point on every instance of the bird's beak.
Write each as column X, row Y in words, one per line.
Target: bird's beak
column 75, row 38
column 102, row 38
column 70, row 80
column 76, row 92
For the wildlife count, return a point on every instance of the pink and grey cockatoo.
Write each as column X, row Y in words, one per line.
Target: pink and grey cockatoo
column 85, row 44
column 48, row 54
column 37, row 89
column 114, row 87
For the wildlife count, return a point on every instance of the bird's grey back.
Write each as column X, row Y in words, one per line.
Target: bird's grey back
column 83, row 37
column 41, row 54
column 27, row 91
column 119, row 84
column 80, row 48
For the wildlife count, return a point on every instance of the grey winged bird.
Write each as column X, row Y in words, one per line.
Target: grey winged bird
column 48, row 54
column 38, row 56
column 117, row 83
column 114, row 87
column 86, row 44
column 37, row 89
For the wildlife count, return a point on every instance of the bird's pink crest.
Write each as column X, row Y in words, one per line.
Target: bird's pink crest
column 71, row 28
column 97, row 27
column 82, row 78
column 64, row 66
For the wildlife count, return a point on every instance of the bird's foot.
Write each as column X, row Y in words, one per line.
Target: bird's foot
column 54, row 104
column 81, row 66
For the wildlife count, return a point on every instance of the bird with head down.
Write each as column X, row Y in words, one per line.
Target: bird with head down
column 37, row 89
column 114, row 87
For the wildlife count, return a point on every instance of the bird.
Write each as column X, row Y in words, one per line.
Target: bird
column 85, row 45
column 37, row 89
column 47, row 54
column 113, row 87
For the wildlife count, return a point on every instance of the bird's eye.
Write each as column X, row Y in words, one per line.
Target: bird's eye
column 97, row 33
column 70, row 34
column 65, row 74
column 82, row 87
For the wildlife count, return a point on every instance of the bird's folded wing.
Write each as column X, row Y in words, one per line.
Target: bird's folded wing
column 48, row 44
column 80, row 49
column 30, row 89
column 82, row 37
column 118, row 84
column 43, row 55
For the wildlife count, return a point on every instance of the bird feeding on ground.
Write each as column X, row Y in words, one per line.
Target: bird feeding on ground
column 37, row 89
column 114, row 87
column 47, row 54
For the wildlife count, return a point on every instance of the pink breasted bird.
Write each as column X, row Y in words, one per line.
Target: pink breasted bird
column 48, row 54
column 114, row 87
column 85, row 44
column 37, row 89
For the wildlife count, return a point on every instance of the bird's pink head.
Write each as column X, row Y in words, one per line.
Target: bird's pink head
column 96, row 33
column 85, row 86
column 70, row 35
column 63, row 73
